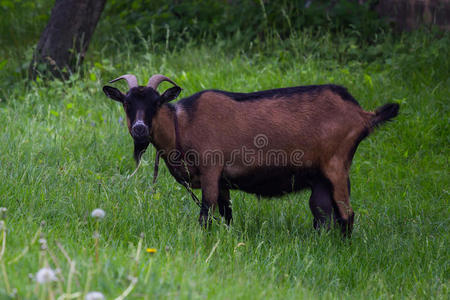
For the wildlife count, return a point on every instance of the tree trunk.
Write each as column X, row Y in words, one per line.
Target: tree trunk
column 64, row 42
column 410, row 14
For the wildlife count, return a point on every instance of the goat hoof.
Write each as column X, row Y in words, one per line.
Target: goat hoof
column 347, row 226
column 320, row 224
column 204, row 221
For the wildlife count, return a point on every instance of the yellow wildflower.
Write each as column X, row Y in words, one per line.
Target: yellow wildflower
column 151, row 250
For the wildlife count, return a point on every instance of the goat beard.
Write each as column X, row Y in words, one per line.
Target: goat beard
column 139, row 149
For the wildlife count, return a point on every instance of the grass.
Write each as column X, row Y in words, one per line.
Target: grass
column 64, row 152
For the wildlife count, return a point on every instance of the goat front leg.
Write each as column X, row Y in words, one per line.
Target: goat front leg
column 210, row 193
column 225, row 205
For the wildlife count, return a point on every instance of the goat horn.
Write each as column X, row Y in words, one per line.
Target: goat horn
column 131, row 80
column 156, row 79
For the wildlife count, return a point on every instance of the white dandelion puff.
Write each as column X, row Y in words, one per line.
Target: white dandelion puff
column 94, row 296
column 98, row 213
column 3, row 211
column 43, row 243
column 45, row 275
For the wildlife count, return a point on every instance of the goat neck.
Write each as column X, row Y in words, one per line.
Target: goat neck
column 163, row 135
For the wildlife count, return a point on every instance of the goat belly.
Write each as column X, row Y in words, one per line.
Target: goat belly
column 181, row 176
column 271, row 182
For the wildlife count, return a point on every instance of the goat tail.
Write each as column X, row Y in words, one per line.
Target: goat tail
column 384, row 114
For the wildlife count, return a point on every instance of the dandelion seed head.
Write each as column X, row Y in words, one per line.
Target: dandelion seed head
column 94, row 296
column 96, row 235
column 98, row 213
column 43, row 243
column 45, row 275
column 3, row 211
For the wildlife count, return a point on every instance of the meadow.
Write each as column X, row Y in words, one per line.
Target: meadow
column 65, row 151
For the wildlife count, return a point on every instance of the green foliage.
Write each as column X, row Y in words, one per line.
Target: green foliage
column 19, row 19
column 21, row 23
column 243, row 21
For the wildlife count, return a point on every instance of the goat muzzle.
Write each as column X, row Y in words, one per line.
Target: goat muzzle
column 140, row 131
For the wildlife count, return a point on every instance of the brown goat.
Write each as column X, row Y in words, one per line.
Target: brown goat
column 267, row 143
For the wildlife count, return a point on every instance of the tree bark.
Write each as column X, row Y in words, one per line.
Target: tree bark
column 410, row 14
column 64, row 42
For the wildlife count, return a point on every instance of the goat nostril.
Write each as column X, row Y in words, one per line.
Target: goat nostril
column 139, row 130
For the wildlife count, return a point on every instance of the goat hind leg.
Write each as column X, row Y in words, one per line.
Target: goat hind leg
column 341, row 198
column 321, row 204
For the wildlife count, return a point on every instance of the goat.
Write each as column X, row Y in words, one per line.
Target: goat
column 268, row 143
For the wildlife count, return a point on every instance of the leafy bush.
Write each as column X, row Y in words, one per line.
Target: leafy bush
column 242, row 21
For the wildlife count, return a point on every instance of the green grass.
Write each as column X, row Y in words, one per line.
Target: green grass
column 64, row 153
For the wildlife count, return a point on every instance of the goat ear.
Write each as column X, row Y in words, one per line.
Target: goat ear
column 170, row 94
column 113, row 93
